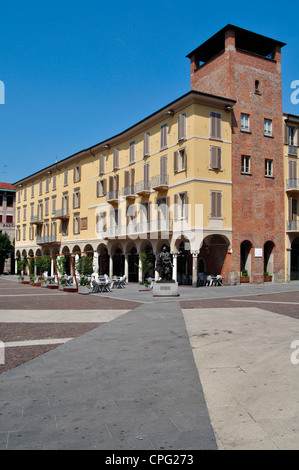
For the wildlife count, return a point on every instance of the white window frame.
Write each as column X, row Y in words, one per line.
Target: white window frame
column 269, row 168
column 245, row 164
column 245, row 122
column 268, row 127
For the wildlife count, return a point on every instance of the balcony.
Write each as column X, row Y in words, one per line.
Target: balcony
column 292, row 184
column 46, row 240
column 112, row 196
column 293, row 150
column 142, row 188
column 36, row 219
column 160, row 182
column 62, row 213
column 292, row 225
column 129, row 192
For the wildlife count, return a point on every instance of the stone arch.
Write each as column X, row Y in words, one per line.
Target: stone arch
column 103, row 259
column 184, row 260
column 269, row 248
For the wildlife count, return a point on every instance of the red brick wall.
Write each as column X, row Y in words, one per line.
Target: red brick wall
column 258, row 202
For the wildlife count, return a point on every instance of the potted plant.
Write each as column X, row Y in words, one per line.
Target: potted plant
column 62, row 283
column 83, row 287
column 244, row 276
column 84, row 266
column 267, row 277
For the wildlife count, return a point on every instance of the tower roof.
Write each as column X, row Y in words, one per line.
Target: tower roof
column 245, row 40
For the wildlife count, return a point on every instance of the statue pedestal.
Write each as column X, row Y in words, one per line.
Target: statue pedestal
column 165, row 289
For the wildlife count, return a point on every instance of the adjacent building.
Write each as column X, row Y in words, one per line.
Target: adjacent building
column 7, row 221
column 204, row 175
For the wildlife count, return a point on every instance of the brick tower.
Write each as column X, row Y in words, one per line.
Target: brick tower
column 246, row 67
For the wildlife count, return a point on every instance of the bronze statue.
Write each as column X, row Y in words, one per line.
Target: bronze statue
column 164, row 265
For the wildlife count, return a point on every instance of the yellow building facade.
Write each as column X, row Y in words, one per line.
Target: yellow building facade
column 165, row 181
column 291, row 171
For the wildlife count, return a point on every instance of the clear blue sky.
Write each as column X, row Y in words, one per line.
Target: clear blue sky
column 77, row 73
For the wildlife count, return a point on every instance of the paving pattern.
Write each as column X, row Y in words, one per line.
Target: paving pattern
column 210, row 369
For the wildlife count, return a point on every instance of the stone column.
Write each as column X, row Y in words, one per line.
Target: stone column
column 175, row 266
column 110, row 266
column 95, row 262
column 126, row 273
column 140, row 272
column 194, row 268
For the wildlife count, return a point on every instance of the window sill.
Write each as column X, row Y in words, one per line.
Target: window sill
column 245, row 132
column 218, row 139
column 269, row 136
column 246, row 173
column 270, row 177
column 180, row 171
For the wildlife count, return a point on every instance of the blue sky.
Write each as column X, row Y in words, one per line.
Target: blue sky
column 77, row 73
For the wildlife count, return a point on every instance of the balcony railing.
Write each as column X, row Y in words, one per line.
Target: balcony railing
column 112, row 196
column 293, row 150
column 293, row 184
column 160, row 182
column 46, row 239
column 36, row 219
column 292, row 226
column 142, row 187
column 62, row 213
column 129, row 192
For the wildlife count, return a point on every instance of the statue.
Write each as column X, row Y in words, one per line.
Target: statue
column 164, row 265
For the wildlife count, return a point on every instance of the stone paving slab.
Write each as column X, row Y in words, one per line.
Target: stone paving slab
column 243, row 357
column 74, row 397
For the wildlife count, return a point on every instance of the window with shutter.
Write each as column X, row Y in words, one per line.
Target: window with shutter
column 215, row 158
column 163, row 135
column 216, row 204
column 116, row 159
column 146, row 144
column 215, row 125
column 182, row 126
column 77, row 174
column 180, row 160
column 132, row 151
column 102, row 164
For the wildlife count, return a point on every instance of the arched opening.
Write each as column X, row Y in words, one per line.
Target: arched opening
column 268, row 258
column 148, row 250
column 118, row 261
column 68, row 268
column 184, row 264
column 133, row 263
column 295, row 260
column 245, row 257
column 103, row 260
column 212, row 255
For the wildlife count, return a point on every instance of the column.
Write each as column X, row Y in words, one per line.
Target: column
column 194, row 268
column 140, row 272
column 110, row 266
column 127, row 266
column 95, row 262
column 175, row 266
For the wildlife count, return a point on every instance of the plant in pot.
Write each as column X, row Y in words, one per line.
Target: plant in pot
column 43, row 264
column 84, row 266
column 244, row 276
column 61, row 268
column 267, row 277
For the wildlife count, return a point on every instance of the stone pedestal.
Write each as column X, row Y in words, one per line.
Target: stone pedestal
column 165, row 289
